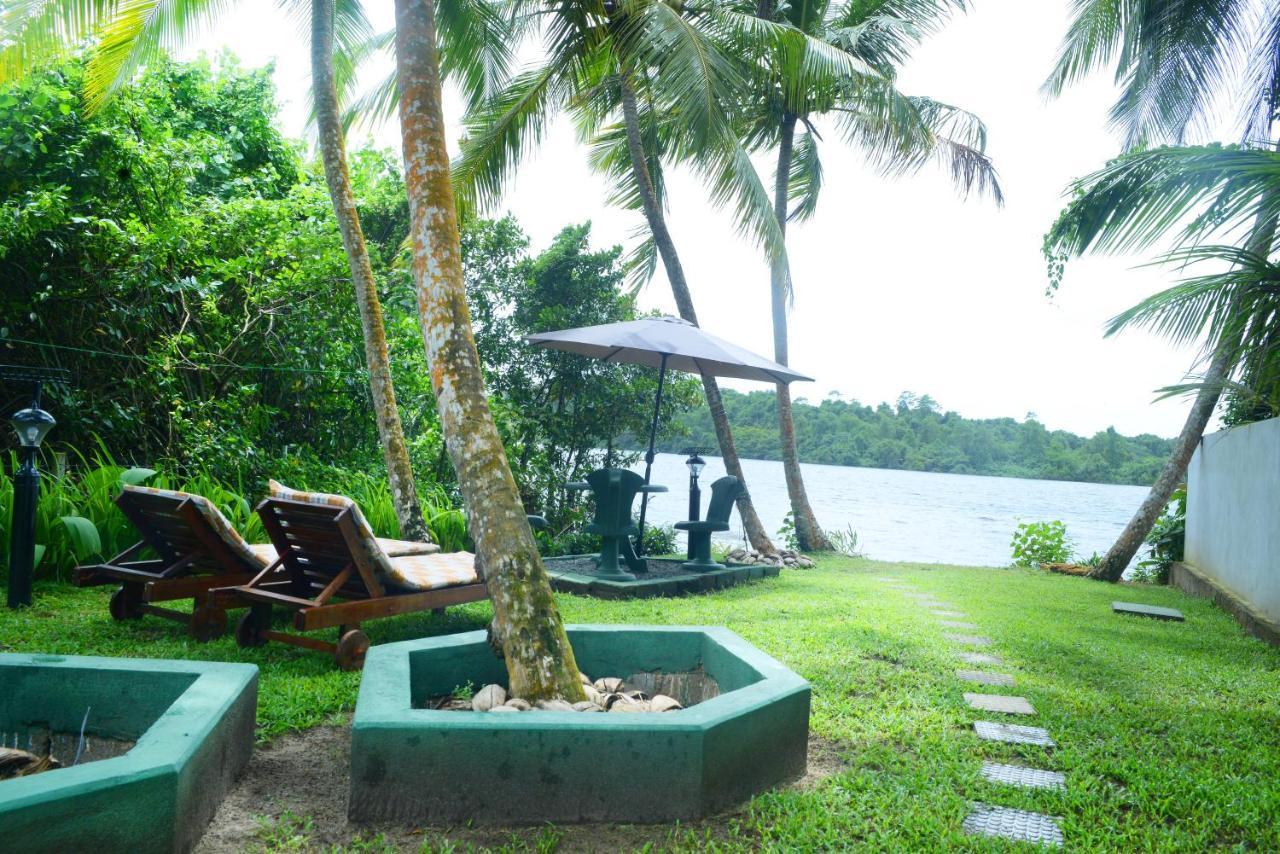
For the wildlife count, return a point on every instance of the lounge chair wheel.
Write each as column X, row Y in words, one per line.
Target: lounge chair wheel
column 249, row 629
column 351, row 650
column 126, row 603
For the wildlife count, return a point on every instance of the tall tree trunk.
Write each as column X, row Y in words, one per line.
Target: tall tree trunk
column 404, row 493
column 808, row 533
column 684, row 303
column 1221, row 365
column 526, row 622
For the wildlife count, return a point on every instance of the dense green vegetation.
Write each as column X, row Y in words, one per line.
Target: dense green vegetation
column 1146, row 714
column 181, row 258
column 916, row 434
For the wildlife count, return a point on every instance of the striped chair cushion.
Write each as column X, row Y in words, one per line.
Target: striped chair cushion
column 266, row 553
column 377, row 557
column 431, row 572
column 219, row 523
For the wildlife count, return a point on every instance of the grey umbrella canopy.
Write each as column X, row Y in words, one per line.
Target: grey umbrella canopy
column 665, row 343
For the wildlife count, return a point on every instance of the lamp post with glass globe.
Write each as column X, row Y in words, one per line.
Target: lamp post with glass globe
column 695, row 464
column 32, row 425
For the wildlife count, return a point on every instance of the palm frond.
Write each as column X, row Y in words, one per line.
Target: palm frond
column 36, row 31
column 805, row 179
column 1261, row 99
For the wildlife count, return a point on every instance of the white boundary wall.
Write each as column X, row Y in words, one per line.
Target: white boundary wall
column 1233, row 514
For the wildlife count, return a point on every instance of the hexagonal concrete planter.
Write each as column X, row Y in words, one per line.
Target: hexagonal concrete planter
column 414, row 764
column 192, row 722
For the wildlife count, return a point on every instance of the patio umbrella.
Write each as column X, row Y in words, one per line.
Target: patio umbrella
column 665, row 343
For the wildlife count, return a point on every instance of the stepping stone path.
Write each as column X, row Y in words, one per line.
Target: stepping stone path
column 1013, row 733
column 983, row 678
column 1019, row 825
column 968, row 640
column 1026, row 778
column 999, row 703
column 987, row 819
column 1148, row 611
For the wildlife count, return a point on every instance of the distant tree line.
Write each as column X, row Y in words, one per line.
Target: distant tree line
column 916, row 434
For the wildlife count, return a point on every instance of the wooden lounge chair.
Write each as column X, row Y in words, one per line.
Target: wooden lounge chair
column 724, row 492
column 331, row 572
column 196, row 549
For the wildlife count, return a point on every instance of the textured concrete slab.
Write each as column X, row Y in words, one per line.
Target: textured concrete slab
column 968, row 640
column 999, row 703
column 959, row 624
column 1018, row 825
column 982, row 678
column 980, row 658
column 1013, row 733
column 942, row 612
column 1148, row 611
column 1026, row 778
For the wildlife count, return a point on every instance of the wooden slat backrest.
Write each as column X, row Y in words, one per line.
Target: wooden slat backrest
column 176, row 529
column 317, row 542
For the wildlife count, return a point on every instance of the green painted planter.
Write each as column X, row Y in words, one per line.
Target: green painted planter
column 410, row 764
column 192, row 722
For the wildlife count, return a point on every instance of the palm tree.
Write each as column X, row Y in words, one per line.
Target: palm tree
column 791, row 90
column 1173, row 61
column 527, row 626
column 526, row 623
column 645, row 81
column 131, row 32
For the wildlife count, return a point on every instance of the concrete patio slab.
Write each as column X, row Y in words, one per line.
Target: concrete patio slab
column 1026, row 778
column 1152, row 611
column 983, row 678
column 999, row 703
column 1013, row 733
column 959, row 624
column 980, row 658
column 1018, row 825
column 968, row 640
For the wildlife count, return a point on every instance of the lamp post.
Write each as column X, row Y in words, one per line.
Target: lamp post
column 32, row 425
column 695, row 464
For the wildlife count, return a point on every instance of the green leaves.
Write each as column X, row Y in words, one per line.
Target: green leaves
column 83, row 537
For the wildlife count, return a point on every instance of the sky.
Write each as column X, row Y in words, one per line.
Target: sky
column 900, row 285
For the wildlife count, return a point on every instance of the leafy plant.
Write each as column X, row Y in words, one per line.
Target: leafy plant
column 787, row 532
column 845, row 542
column 1167, row 540
column 1035, row 543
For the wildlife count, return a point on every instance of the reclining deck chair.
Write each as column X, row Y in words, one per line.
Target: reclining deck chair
column 724, row 492
column 196, row 550
column 331, row 571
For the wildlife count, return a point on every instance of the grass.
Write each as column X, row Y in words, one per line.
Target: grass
column 1168, row 733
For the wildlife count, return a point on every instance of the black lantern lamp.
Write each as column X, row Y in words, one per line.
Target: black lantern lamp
column 696, row 464
column 32, row 425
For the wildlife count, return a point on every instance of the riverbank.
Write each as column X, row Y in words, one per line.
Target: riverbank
column 1164, row 731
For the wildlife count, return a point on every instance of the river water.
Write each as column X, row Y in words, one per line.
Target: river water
column 910, row 515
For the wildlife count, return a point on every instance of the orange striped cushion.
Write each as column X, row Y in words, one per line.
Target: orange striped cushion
column 431, row 572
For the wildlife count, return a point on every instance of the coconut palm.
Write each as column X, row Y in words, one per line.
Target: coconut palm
column 527, row 627
column 646, row 81
column 128, row 34
column 790, row 92
column 1174, row 61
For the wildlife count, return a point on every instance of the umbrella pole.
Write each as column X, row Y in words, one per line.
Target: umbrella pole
column 648, row 457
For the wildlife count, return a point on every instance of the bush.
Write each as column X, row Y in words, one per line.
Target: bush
column 1035, row 543
column 845, row 542
column 1167, row 540
column 658, row 540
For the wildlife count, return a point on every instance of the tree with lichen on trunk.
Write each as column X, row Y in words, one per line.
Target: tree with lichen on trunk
column 526, row 623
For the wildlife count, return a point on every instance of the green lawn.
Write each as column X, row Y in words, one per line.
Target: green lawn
column 1168, row 733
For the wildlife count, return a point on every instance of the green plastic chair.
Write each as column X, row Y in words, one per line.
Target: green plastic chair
column 723, row 493
column 615, row 490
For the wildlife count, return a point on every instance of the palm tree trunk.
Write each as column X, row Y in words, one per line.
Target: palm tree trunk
column 404, row 493
column 808, row 533
column 526, row 624
column 684, row 303
column 1223, row 362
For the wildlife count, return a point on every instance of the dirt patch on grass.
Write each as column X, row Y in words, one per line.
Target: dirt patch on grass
column 293, row 796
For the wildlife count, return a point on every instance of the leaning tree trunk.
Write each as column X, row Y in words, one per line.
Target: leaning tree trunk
column 404, row 494
column 1135, row 533
column 809, row 534
column 526, row 623
column 684, row 303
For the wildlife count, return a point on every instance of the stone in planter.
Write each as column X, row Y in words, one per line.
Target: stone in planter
column 192, row 723
column 419, row 765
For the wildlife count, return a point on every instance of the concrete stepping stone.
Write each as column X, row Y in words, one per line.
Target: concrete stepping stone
column 980, row 658
column 1013, row 733
column 1003, row 703
column 1026, row 778
column 1148, row 611
column 1018, row 825
column 958, row 624
column 983, row 678
column 945, row 613
column 968, row 640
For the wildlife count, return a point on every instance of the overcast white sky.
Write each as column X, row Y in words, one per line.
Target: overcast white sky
column 899, row 284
